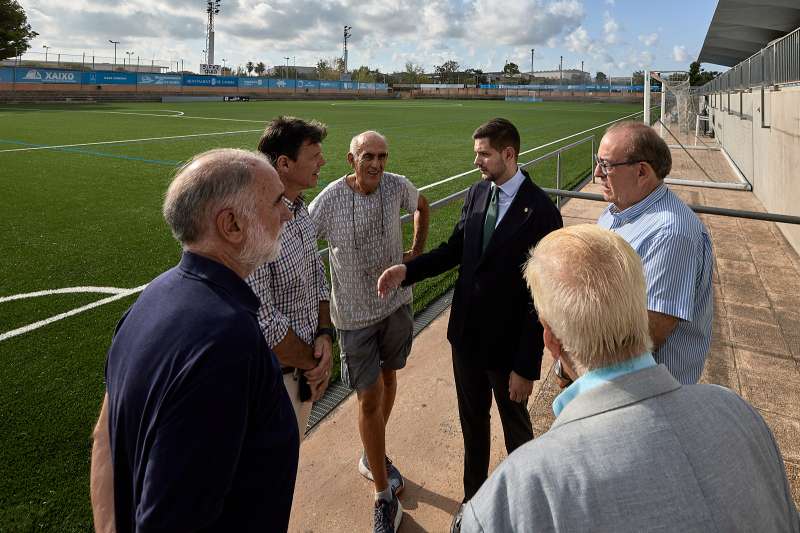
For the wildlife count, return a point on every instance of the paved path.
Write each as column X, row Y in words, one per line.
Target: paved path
column 755, row 351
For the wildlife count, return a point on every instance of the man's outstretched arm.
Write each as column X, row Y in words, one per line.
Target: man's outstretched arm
column 101, row 481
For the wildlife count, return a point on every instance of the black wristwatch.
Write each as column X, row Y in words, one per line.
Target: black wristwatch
column 327, row 331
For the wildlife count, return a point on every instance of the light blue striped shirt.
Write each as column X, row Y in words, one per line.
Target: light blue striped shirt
column 678, row 260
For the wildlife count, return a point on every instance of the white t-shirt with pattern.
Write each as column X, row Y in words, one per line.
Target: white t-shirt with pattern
column 365, row 238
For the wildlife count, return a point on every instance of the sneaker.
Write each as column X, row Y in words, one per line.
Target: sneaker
column 396, row 480
column 387, row 515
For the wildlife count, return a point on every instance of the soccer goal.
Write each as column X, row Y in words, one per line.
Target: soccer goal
column 681, row 117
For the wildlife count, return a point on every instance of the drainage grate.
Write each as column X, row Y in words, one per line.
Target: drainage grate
column 337, row 392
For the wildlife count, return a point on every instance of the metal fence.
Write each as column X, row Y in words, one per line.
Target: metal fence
column 777, row 63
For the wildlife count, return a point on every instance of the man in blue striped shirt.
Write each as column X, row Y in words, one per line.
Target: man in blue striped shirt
column 632, row 162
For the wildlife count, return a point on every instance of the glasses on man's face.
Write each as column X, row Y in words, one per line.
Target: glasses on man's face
column 606, row 166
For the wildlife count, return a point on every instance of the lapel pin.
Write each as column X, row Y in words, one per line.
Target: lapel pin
column 526, row 210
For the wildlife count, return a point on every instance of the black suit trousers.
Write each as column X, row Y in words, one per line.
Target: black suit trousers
column 474, row 388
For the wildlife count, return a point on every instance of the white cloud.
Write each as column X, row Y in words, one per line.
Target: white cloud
column 610, row 28
column 609, row 2
column 650, row 39
column 578, row 41
column 679, row 53
column 524, row 22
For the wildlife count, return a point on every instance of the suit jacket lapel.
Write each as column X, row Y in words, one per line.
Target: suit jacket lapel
column 480, row 202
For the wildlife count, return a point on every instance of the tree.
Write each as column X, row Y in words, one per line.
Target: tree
column 15, row 32
column 511, row 68
column 338, row 65
column 475, row 73
column 637, row 78
column 600, row 78
column 698, row 76
column 364, row 74
column 250, row 66
column 447, row 70
column 260, row 68
column 413, row 73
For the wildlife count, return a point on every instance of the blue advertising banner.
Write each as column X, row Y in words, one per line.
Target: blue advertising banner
column 108, row 78
column 308, row 85
column 254, row 82
column 159, row 79
column 210, row 81
column 281, row 84
column 42, row 75
column 6, row 75
column 330, row 85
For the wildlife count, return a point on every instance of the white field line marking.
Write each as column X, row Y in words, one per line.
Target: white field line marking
column 124, row 141
column 451, row 178
column 67, row 290
column 177, row 113
column 36, row 325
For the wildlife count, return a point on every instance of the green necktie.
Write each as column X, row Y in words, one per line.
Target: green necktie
column 491, row 218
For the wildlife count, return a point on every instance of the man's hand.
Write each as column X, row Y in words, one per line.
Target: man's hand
column 519, row 388
column 391, row 278
column 319, row 376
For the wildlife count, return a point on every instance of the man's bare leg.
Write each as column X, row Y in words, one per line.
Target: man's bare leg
column 372, row 426
column 389, row 394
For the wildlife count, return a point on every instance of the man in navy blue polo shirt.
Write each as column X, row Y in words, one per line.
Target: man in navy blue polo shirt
column 196, row 431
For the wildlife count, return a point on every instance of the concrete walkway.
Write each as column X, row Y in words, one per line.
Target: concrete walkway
column 755, row 351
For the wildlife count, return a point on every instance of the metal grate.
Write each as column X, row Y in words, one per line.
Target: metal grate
column 337, row 392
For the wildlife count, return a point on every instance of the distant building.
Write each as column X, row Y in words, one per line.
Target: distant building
column 570, row 74
column 302, row 72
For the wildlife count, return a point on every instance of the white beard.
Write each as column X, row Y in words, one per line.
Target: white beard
column 259, row 248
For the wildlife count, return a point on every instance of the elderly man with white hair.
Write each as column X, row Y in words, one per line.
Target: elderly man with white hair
column 631, row 448
column 196, row 431
column 359, row 216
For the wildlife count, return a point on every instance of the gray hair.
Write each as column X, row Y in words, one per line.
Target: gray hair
column 588, row 286
column 211, row 180
column 358, row 140
column 645, row 145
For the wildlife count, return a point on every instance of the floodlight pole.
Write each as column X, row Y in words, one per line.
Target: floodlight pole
column 46, row 49
column 115, row 43
column 532, row 51
column 286, row 72
column 212, row 8
column 347, row 35
column 561, row 73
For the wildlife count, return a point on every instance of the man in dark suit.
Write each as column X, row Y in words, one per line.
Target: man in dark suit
column 495, row 348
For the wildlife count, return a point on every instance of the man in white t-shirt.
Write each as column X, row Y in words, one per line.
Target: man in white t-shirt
column 359, row 216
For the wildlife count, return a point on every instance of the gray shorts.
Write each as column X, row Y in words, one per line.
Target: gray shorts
column 385, row 345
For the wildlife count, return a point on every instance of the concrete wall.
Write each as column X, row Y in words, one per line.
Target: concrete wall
column 769, row 157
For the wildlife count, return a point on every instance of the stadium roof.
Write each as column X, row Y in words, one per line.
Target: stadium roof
column 740, row 28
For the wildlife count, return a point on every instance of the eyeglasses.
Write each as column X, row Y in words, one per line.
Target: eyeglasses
column 605, row 166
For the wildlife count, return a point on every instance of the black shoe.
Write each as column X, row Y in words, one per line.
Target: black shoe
column 455, row 525
column 387, row 515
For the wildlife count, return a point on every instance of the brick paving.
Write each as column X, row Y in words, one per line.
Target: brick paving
column 755, row 351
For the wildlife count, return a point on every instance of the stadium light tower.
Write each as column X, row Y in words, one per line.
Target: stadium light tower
column 115, row 43
column 212, row 8
column 347, row 35
column 532, row 51
column 46, row 49
column 129, row 54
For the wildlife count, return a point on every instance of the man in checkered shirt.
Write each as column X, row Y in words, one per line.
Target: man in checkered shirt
column 295, row 313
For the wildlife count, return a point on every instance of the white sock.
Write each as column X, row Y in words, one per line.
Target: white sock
column 385, row 495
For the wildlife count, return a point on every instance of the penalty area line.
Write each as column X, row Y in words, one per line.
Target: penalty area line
column 128, row 141
column 66, row 290
column 40, row 324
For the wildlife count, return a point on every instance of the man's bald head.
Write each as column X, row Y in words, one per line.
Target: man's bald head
column 209, row 182
column 364, row 137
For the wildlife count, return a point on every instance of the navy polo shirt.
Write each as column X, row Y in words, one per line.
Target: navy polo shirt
column 203, row 435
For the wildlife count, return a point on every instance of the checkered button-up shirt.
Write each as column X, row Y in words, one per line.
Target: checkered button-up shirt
column 291, row 287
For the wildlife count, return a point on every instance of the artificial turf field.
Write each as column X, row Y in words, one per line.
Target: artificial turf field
column 80, row 195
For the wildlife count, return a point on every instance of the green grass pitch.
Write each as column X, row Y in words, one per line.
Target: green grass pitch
column 79, row 210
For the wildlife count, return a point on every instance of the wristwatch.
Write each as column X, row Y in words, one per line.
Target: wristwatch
column 327, row 331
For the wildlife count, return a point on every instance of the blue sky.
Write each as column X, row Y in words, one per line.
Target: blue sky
column 613, row 36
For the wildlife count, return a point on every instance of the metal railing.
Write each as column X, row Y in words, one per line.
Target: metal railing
column 775, row 64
